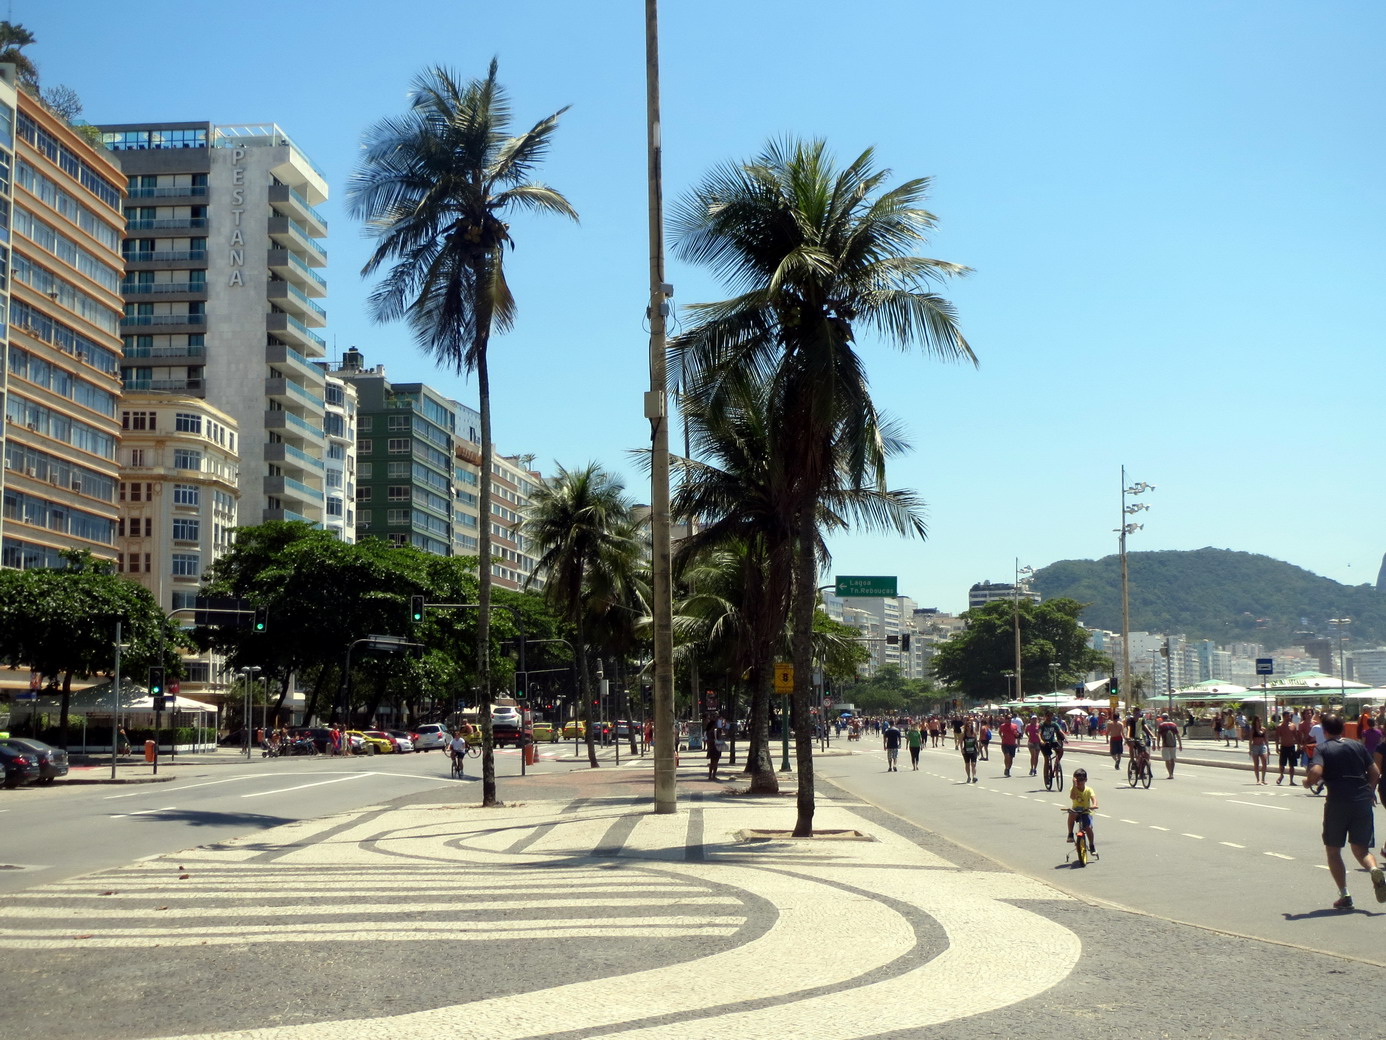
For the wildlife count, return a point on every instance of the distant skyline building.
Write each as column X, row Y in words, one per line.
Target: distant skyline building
column 987, row 592
column 223, row 280
column 60, row 312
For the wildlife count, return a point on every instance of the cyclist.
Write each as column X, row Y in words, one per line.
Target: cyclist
column 457, row 748
column 1139, row 736
column 1051, row 733
column 1084, row 799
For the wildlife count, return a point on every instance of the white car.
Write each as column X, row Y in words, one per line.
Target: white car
column 431, row 736
column 404, row 740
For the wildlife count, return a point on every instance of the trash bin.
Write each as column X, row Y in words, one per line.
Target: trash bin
column 149, row 751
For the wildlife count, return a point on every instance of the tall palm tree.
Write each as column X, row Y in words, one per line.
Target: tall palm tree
column 812, row 253
column 583, row 525
column 433, row 186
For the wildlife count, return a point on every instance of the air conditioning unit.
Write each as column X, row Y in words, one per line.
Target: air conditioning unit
column 77, row 486
column 29, row 471
column 33, row 427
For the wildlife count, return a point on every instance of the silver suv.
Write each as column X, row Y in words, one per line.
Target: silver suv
column 431, row 736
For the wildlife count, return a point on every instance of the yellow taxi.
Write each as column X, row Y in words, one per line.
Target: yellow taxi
column 372, row 745
column 575, row 729
column 546, row 731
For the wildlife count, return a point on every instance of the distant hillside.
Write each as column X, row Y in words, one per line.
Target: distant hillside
column 1217, row 594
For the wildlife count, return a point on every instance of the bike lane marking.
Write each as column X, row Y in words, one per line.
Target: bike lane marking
column 301, row 787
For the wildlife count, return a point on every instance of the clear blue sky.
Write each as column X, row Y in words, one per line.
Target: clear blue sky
column 1174, row 213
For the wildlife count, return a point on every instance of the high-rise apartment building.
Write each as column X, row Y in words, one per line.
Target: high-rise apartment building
column 223, row 257
column 60, row 310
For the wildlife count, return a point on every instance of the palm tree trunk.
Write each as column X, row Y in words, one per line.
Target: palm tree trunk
column 805, row 600
column 586, row 678
column 759, row 763
column 483, row 610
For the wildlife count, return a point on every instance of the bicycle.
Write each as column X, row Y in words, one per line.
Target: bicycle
column 456, row 770
column 1138, row 766
column 1054, row 770
column 1082, row 837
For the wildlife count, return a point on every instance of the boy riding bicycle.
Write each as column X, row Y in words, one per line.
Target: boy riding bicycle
column 1083, row 800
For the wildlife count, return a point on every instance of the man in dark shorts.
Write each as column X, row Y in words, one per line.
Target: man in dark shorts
column 1287, row 741
column 1351, row 776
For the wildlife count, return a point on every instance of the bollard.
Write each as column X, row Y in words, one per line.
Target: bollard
column 149, row 751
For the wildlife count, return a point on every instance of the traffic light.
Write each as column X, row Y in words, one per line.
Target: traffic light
column 156, row 681
column 261, row 619
column 905, row 641
column 1112, row 686
column 416, row 608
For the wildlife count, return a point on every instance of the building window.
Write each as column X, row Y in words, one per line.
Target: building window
column 138, row 420
column 399, row 446
column 399, row 471
column 397, row 516
column 187, row 495
column 137, row 457
column 185, row 422
column 187, row 458
column 365, row 447
column 363, row 494
column 334, row 506
column 364, row 423
column 399, row 492
column 185, row 530
column 399, row 422
column 186, row 565
column 365, row 470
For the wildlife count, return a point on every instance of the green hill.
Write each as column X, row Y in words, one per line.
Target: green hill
column 1217, row 594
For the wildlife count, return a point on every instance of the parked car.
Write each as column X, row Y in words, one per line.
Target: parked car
column 20, row 767
column 373, row 742
column 320, row 736
column 404, row 740
column 431, row 736
column 52, row 761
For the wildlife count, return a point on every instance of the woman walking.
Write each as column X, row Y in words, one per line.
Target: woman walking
column 968, row 743
column 1260, row 750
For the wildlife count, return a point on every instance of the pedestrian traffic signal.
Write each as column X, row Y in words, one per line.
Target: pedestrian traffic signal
column 261, row 619
column 1112, row 686
column 156, row 681
column 416, row 608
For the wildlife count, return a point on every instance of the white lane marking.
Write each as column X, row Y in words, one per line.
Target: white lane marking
column 1279, row 855
column 1132, row 822
column 209, row 783
column 1198, row 836
column 1153, row 827
column 1231, row 844
column 142, row 812
column 1321, row 866
column 1258, row 805
column 300, row 787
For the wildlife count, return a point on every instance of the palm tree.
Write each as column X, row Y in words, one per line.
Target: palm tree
column 433, row 186
column 582, row 524
column 812, row 253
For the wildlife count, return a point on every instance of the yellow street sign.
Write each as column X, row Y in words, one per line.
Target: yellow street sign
column 784, row 677
column 1112, row 703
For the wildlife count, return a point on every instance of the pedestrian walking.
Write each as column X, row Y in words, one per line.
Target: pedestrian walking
column 1010, row 742
column 1259, row 745
column 915, row 739
column 1116, row 740
column 711, row 735
column 1286, row 736
column 1032, row 737
column 1352, row 777
column 969, row 746
column 890, row 739
column 1171, row 742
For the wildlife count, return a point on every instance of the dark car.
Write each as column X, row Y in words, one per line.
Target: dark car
column 52, row 761
column 319, row 735
column 20, row 767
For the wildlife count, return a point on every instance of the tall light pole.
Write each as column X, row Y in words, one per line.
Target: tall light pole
column 248, row 674
column 1338, row 623
column 1125, row 529
column 1015, row 614
column 657, row 412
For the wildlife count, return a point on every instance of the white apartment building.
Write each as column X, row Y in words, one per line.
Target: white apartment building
column 223, row 259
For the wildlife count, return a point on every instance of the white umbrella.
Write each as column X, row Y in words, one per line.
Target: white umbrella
column 1076, row 711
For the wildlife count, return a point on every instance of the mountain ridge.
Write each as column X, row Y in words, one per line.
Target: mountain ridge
column 1219, row 594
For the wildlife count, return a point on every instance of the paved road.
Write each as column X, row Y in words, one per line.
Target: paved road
column 1208, row 847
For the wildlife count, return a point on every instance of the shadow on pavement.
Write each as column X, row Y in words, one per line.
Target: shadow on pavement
column 1330, row 912
column 212, row 819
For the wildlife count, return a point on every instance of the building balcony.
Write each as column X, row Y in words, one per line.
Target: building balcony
column 292, row 204
column 167, row 224
column 291, row 458
column 288, row 487
column 166, row 352
column 294, row 365
column 289, row 514
column 165, row 322
column 182, row 386
column 294, row 427
column 197, row 192
column 291, row 235
column 285, row 326
column 164, row 290
column 148, row 259
column 288, row 266
column 290, row 297
column 287, row 392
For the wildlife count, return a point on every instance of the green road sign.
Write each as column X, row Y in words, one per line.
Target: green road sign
column 866, row 585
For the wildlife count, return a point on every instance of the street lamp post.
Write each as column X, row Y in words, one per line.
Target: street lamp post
column 1125, row 529
column 248, row 677
column 1338, row 623
column 1054, row 676
column 1009, row 676
column 1015, row 613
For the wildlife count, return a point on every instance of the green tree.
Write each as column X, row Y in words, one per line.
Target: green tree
column 813, row 253
column 433, row 187
column 61, row 623
column 974, row 660
column 13, row 39
column 583, row 527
